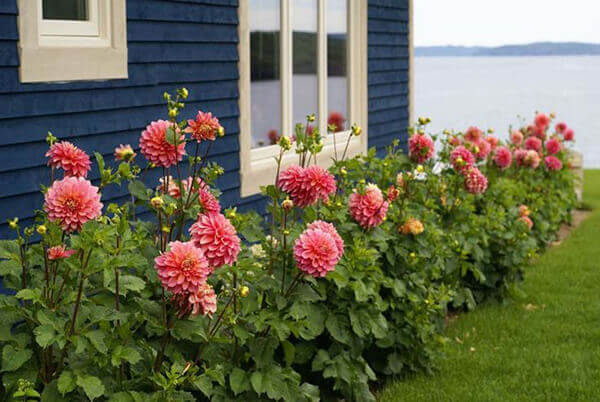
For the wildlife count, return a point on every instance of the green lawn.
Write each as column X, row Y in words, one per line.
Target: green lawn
column 545, row 347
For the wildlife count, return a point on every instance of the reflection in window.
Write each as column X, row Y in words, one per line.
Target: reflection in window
column 265, row 76
column 337, row 69
column 65, row 10
column 305, row 83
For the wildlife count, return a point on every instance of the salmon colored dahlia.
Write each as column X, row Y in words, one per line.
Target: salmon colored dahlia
column 156, row 148
column 520, row 155
column 124, row 153
column 560, row 127
column 532, row 159
column 329, row 228
column 473, row 134
column 553, row 146
column 481, row 149
column 202, row 301
column 183, row 268
column 527, row 221
column 59, row 252
column 316, row 253
column 502, row 157
column 204, row 127
column 71, row 202
column 368, row 209
column 493, row 141
column 454, row 141
column 552, row 163
column 208, row 201
column 290, row 180
column 413, row 227
column 420, row 148
column 516, row 138
column 392, row 193
column 217, row 238
column 74, row 161
column 542, row 121
column 524, row 210
column 319, row 181
column 475, row 181
column 461, row 158
column 533, row 143
column 569, row 134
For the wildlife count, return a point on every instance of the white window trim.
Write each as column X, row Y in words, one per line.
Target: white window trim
column 60, row 50
column 258, row 166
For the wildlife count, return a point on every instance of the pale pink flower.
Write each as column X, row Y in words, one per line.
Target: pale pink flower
column 454, row 141
column 59, row 252
column 74, row 161
column 124, row 153
column 502, row 157
column 532, row 159
column 473, row 134
column 368, row 209
column 202, row 301
column 475, row 181
column 420, row 148
column 183, row 268
column 560, row 127
column 553, row 146
column 156, row 148
column 329, row 228
column 516, row 137
column 527, row 220
column 569, row 134
column 316, row 253
column 71, row 202
column 524, row 210
column 533, row 143
column 552, row 163
column 203, row 127
column 217, row 238
column 461, row 158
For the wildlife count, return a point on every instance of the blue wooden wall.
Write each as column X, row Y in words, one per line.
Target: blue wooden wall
column 172, row 43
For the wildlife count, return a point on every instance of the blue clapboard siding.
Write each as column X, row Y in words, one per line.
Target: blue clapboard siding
column 171, row 43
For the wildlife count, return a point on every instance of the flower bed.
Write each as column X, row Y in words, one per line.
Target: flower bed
column 347, row 282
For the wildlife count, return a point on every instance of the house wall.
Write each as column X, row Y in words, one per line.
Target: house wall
column 171, row 44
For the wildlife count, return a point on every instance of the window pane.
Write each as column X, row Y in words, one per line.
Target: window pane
column 65, row 10
column 337, row 63
column 305, row 94
column 265, row 76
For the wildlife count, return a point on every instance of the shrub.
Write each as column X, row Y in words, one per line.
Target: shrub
column 347, row 281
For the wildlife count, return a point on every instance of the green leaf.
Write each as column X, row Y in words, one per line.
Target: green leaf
column 337, row 325
column 257, row 382
column 92, row 386
column 204, row 384
column 29, row 294
column 262, row 350
column 171, row 136
column 66, row 382
column 13, row 358
column 192, row 329
column 125, row 353
column 289, row 352
column 96, row 338
column 45, row 335
column 132, row 283
column 138, row 190
column 238, row 381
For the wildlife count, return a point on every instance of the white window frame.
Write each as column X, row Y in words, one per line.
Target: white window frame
column 66, row 50
column 258, row 166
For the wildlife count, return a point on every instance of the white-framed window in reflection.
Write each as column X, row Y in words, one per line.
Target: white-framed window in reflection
column 299, row 57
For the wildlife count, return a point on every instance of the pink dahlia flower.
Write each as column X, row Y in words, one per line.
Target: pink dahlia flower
column 368, row 209
column 183, row 268
column 542, row 121
column 493, row 141
column 524, row 210
column 454, row 141
column 202, row 301
column 316, row 253
column 553, row 146
column 532, row 159
column 420, row 148
column 290, row 181
column 527, row 220
column 59, row 252
column 552, row 163
column 475, row 181
column 539, row 132
column 329, row 228
column 217, row 238
column 461, row 158
column 560, row 127
column 124, row 153
column 74, row 161
column 71, row 202
column 482, row 149
column 208, row 201
column 319, row 181
column 473, row 134
column 533, row 143
column 168, row 185
column 516, row 138
column 156, row 148
column 569, row 134
column 203, row 127
column 392, row 193
column 502, row 157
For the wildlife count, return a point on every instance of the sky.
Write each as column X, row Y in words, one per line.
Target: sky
column 501, row 22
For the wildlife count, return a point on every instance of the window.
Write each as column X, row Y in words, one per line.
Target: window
column 299, row 57
column 68, row 40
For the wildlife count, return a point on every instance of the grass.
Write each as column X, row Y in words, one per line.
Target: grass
column 545, row 347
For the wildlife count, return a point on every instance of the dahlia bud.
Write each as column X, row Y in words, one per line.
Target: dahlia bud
column 356, row 130
column 286, row 232
column 420, row 168
column 13, row 223
column 338, row 204
column 446, row 131
column 221, row 131
column 28, row 231
column 166, row 96
column 184, row 93
column 310, row 117
column 552, row 115
column 157, row 202
column 400, row 180
column 421, row 131
column 491, row 130
column 422, row 121
column 287, row 204
column 343, row 172
column 285, row 143
column 50, row 139
column 231, row 214
column 173, row 113
column 413, row 255
column 244, row 291
column 41, row 229
column 166, row 229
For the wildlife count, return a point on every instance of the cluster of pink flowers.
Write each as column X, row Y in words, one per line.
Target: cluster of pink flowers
column 368, row 208
column 318, row 249
column 74, row 161
column 71, row 202
column 204, row 127
column 420, row 147
column 461, row 158
column 157, row 149
column 475, row 181
column 306, row 186
column 200, row 189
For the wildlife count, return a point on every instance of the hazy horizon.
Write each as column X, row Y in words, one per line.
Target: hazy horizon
column 509, row 44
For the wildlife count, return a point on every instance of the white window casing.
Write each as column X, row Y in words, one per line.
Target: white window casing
column 257, row 165
column 69, row 50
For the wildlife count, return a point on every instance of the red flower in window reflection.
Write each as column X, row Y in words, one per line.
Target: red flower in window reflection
column 336, row 119
column 273, row 136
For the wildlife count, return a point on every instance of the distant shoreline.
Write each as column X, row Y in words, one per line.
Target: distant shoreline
column 531, row 49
